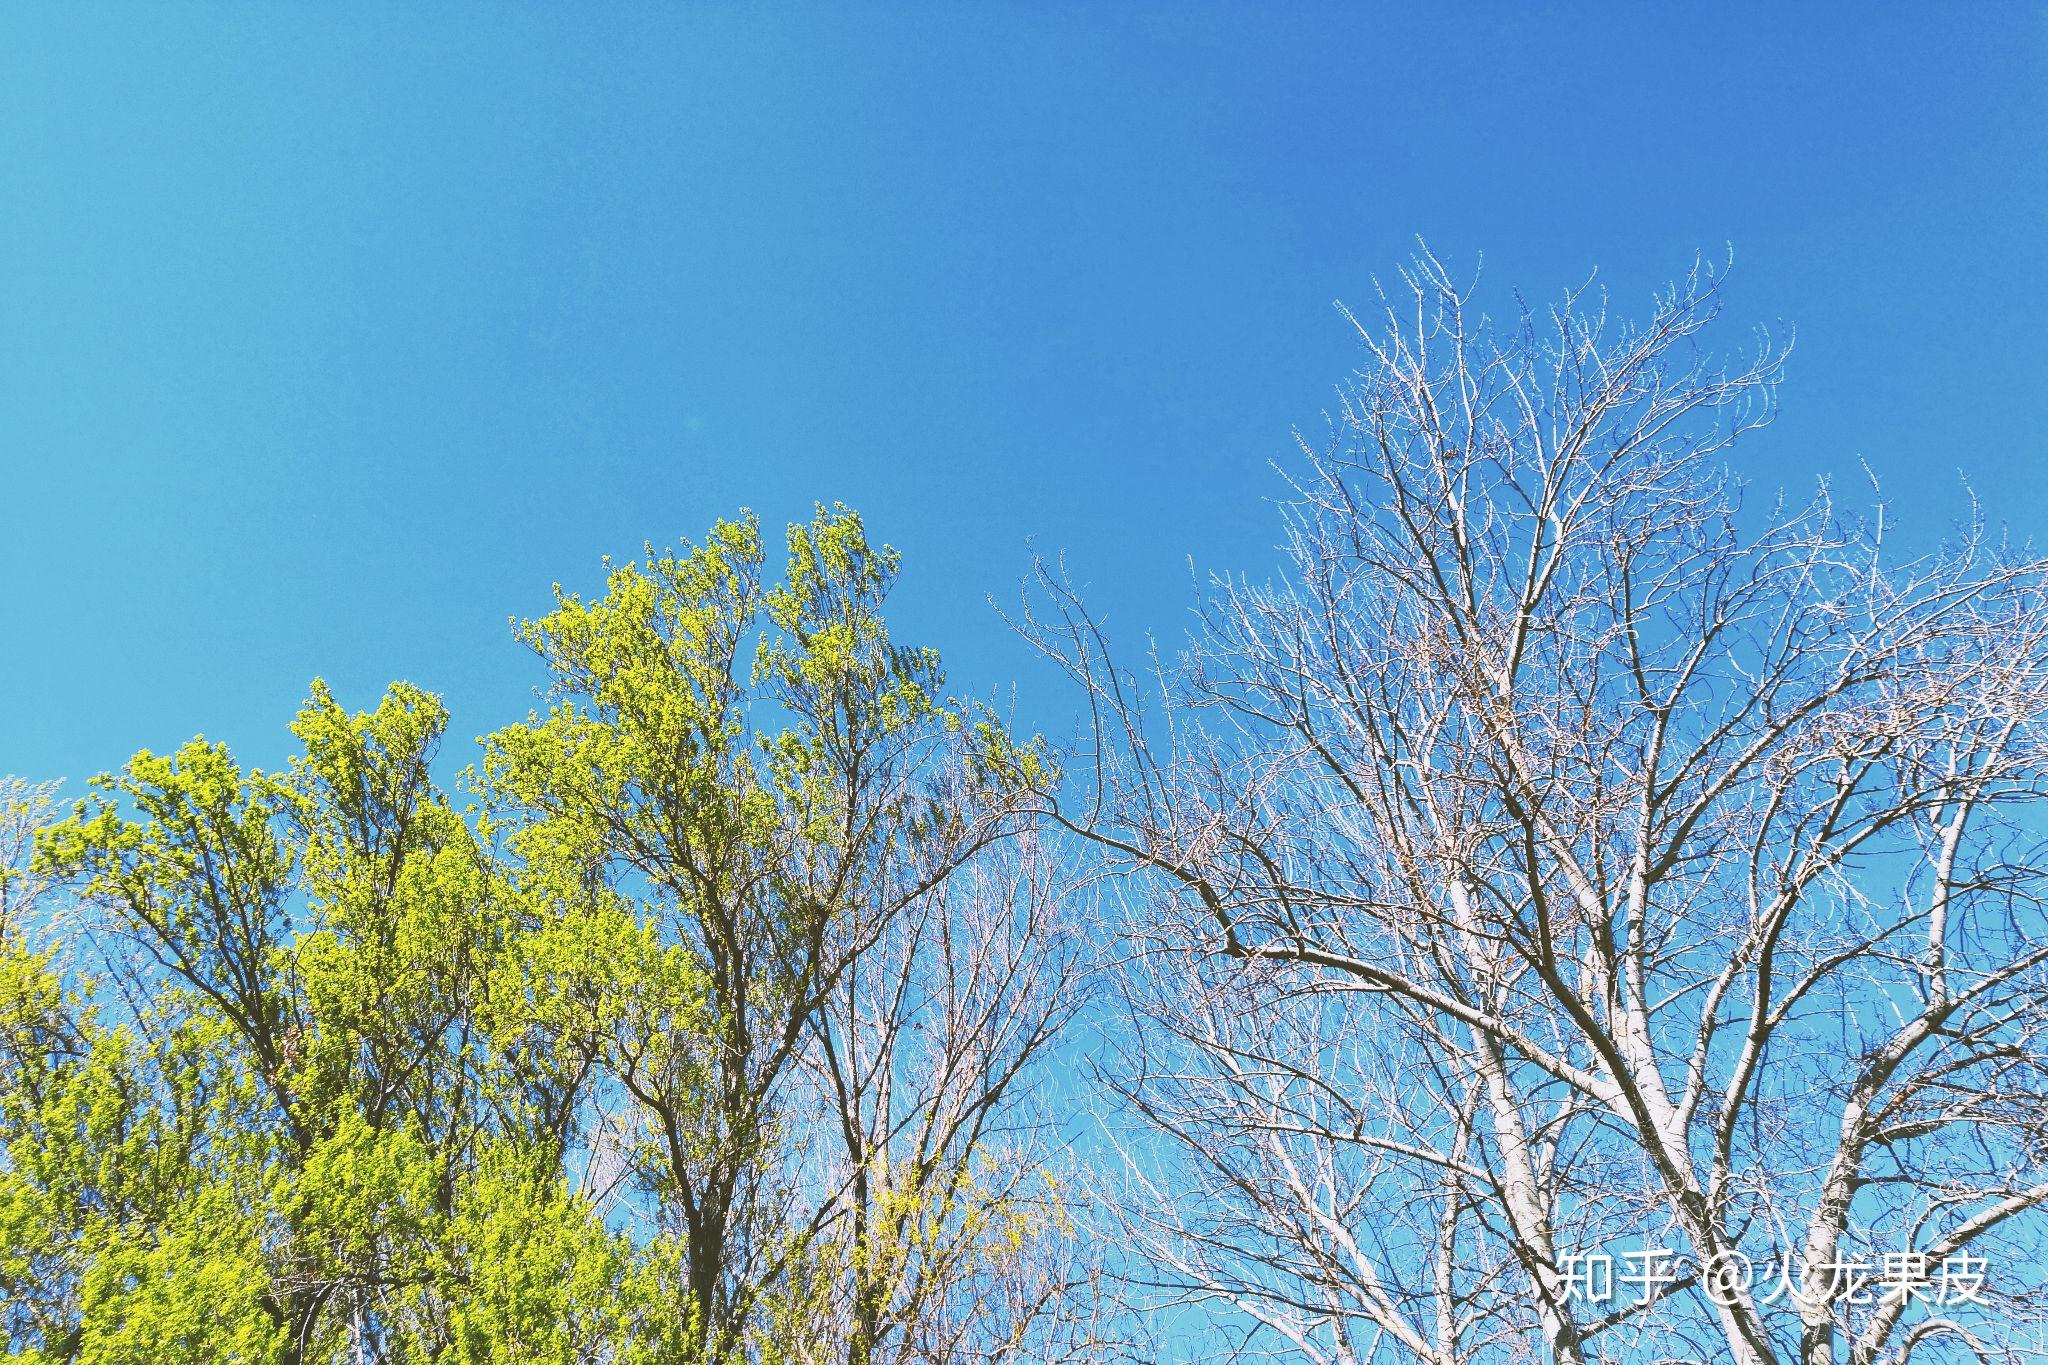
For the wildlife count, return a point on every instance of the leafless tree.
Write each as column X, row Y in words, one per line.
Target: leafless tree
column 1562, row 859
column 944, row 1233
column 24, row 808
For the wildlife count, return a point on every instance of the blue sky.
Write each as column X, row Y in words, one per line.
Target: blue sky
column 331, row 336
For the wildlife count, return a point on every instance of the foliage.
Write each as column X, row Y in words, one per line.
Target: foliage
column 320, row 1065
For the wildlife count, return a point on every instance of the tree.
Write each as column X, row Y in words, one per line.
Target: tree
column 789, row 929
column 1562, row 857
column 24, row 808
column 949, row 1237
column 714, row 1038
column 274, row 1127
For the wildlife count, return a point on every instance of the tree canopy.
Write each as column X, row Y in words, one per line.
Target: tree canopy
column 572, row 1060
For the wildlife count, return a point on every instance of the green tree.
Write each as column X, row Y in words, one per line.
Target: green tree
column 318, row 1065
column 740, row 789
column 277, row 1157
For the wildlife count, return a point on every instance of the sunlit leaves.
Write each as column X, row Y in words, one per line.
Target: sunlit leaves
column 347, row 1069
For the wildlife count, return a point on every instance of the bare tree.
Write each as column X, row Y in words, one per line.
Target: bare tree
column 1564, row 878
column 941, row 1231
column 24, row 808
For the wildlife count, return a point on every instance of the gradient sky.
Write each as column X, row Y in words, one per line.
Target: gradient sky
column 331, row 336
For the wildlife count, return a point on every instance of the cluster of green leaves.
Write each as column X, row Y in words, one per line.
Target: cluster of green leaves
column 277, row 1124
column 333, row 1069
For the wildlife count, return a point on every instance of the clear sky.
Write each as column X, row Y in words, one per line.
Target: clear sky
column 332, row 335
